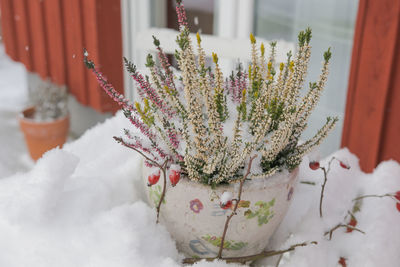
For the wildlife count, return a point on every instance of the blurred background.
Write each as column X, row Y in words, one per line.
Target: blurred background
column 47, row 38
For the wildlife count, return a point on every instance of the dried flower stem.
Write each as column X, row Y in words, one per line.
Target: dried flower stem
column 162, row 167
column 330, row 232
column 164, row 171
column 244, row 259
column 307, row 182
column 221, row 246
column 326, row 171
column 379, row 196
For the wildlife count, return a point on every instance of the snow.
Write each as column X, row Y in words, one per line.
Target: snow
column 226, row 197
column 13, row 98
column 175, row 167
column 84, row 205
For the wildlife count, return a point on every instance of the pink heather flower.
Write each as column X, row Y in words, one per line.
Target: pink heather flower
column 166, row 66
column 109, row 89
column 180, row 11
column 173, row 138
column 151, row 94
column 141, row 126
column 136, row 145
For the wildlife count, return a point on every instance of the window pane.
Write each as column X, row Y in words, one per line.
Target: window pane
column 332, row 22
column 200, row 15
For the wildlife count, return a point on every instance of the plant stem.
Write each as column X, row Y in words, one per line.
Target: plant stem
column 323, row 185
column 330, row 232
column 380, row 196
column 322, row 191
column 279, row 261
column 155, row 163
column 164, row 171
column 307, row 182
column 254, row 257
column 228, row 218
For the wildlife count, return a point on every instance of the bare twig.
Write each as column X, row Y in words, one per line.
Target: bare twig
column 254, row 257
column 155, row 163
column 164, row 171
column 279, row 261
column 326, row 171
column 322, row 190
column 379, row 196
column 330, row 232
column 121, row 141
column 228, row 218
column 307, row 182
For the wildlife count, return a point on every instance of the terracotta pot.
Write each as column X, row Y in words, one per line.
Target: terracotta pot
column 42, row 136
column 195, row 219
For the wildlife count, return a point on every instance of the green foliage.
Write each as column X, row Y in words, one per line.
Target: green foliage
column 220, row 102
column 149, row 61
column 275, row 109
column 327, row 55
column 156, row 42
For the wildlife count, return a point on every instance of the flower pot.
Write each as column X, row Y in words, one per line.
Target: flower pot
column 193, row 215
column 42, row 136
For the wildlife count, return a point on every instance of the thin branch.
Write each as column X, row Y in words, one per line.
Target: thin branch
column 330, row 232
column 221, row 246
column 323, row 185
column 307, row 182
column 322, row 191
column 121, row 141
column 279, row 261
column 379, row 196
column 244, row 259
column 164, row 171
column 155, row 163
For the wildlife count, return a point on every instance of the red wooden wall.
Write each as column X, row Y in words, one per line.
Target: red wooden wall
column 372, row 123
column 48, row 37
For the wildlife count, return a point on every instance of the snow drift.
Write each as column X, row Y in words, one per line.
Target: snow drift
column 83, row 206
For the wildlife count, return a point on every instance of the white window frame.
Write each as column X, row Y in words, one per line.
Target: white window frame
column 234, row 20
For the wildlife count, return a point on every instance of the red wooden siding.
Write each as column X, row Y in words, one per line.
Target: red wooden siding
column 48, row 36
column 38, row 39
column 8, row 28
column 372, row 127
column 22, row 32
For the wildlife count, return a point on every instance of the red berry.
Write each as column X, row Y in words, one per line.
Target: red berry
column 398, row 206
column 227, row 205
column 153, row 178
column 343, row 165
column 174, row 177
column 353, row 222
column 397, row 195
column 342, row 261
column 314, row 165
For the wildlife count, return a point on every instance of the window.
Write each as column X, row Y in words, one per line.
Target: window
column 223, row 22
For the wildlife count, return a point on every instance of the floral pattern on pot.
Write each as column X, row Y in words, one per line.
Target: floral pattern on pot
column 228, row 244
column 264, row 213
column 155, row 194
column 196, row 206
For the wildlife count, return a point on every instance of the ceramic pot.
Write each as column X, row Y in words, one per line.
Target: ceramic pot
column 193, row 215
column 42, row 136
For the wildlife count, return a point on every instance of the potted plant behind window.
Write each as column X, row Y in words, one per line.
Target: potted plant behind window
column 230, row 147
column 45, row 124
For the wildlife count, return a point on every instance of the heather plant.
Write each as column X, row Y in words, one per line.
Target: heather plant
column 209, row 124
